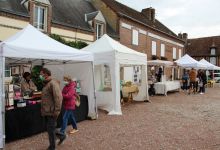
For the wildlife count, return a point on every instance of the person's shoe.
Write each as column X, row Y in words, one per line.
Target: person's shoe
column 201, row 93
column 62, row 139
column 73, row 131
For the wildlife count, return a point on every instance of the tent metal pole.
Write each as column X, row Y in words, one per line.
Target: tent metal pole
column 3, row 99
column 93, row 77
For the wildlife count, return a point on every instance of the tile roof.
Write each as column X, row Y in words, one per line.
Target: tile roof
column 138, row 16
column 201, row 46
column 14, row 7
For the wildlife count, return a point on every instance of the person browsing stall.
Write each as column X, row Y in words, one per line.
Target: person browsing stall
column 51, row 104
column 69, row 102
column 27, row 84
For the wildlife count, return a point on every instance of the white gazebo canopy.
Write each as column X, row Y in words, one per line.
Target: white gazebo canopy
column 32, row 46
column 188, row 62
column 110, row 52
column 209, row 65
column 158, row 62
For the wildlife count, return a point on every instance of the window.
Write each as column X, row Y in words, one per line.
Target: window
column 213, row 51
column 99, row 30
column 180, row 53
column 174, row 53
column 154, row 48
column 40, row 17
column 162, row 50
column 213, row 60
column 134, row 37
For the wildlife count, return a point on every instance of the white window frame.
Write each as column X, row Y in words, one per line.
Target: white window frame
column 135, row 37
column 213, row 51
column 174, row 53
column 97, row 30
column 37, row 23
column 180, row 53
column 162, row 50
column 154, row 47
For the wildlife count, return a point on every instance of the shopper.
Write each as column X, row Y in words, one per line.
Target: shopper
column 51, row 104
column 69, row 102
column 185, row 79
column 203, row 82
column 192, row 78
column 27, row 84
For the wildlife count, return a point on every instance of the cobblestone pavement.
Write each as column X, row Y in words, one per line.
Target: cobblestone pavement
column 174, row 122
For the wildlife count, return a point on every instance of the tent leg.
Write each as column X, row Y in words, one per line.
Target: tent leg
column 93, row 77
column 2, row 103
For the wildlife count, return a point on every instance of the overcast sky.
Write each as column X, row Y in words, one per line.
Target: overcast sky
column 198, row 18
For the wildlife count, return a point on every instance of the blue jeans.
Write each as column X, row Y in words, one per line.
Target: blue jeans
column 68, row 114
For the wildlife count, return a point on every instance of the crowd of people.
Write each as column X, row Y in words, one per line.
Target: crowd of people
column 194, row 81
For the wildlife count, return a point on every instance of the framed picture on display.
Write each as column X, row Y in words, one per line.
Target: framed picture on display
column 15, row 70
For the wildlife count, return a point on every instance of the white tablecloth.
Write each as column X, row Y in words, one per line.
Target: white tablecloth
column 164, row 87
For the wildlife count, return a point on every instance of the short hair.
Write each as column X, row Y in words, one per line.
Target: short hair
column 67, row 77
column 46, row 71
column 26, row 74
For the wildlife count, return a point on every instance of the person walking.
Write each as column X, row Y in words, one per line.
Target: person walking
column 69, row 102
column 185, row 79
column 192, row 78
column 203, row 82
column 51, row 104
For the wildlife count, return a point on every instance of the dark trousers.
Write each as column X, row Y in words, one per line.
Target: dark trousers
column 185, row 85
column 51, row 127
column 202, row 89
column 68, row 114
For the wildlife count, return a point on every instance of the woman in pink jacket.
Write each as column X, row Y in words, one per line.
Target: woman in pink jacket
column 69, row 101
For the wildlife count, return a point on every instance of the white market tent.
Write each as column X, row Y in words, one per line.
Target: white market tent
column 116, row 55
column 160, row 63
column 30, row 45
column 209, row 65
column 188, row 62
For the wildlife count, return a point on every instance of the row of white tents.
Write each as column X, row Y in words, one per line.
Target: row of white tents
column 30, row 45
column 185, row 62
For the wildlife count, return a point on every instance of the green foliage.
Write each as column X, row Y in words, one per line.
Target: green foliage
column 35, row 73
column 74, row 44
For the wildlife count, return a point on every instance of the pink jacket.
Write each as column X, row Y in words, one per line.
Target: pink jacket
column 69, row 96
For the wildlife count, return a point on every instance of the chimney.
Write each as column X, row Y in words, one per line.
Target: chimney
column 180, row 35
column 185, row 36
column 149, row 13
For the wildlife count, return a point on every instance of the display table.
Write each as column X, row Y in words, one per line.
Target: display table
column 27, row 121
column 164, row 87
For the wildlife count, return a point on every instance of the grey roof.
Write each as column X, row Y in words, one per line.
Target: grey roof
column 69, row 13
column 14, row 7
column 91, row 16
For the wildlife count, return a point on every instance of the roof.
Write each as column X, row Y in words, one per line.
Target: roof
column 138, row 16
column 14, row 7
column 69, row 13
column 201, row 46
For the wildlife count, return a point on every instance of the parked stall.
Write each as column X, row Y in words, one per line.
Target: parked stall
column 30, row 46
column 109, row 56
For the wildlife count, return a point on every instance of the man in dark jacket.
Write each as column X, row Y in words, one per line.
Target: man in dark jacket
column 51, row 104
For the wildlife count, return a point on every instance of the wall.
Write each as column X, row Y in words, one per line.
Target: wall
column 10, row 26
column 72, row 35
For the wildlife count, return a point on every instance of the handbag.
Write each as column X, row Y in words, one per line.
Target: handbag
column 77, row 100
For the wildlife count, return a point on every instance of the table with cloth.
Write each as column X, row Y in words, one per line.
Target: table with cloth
column 27, row 121
column 164, row 87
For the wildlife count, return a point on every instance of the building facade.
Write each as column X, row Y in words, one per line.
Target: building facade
column 206, row 47
column 73, row 20
column 141, row 31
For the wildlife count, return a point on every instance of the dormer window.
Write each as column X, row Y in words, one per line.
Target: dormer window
column 40, row 17
column 213, row 51
column 99, row 30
